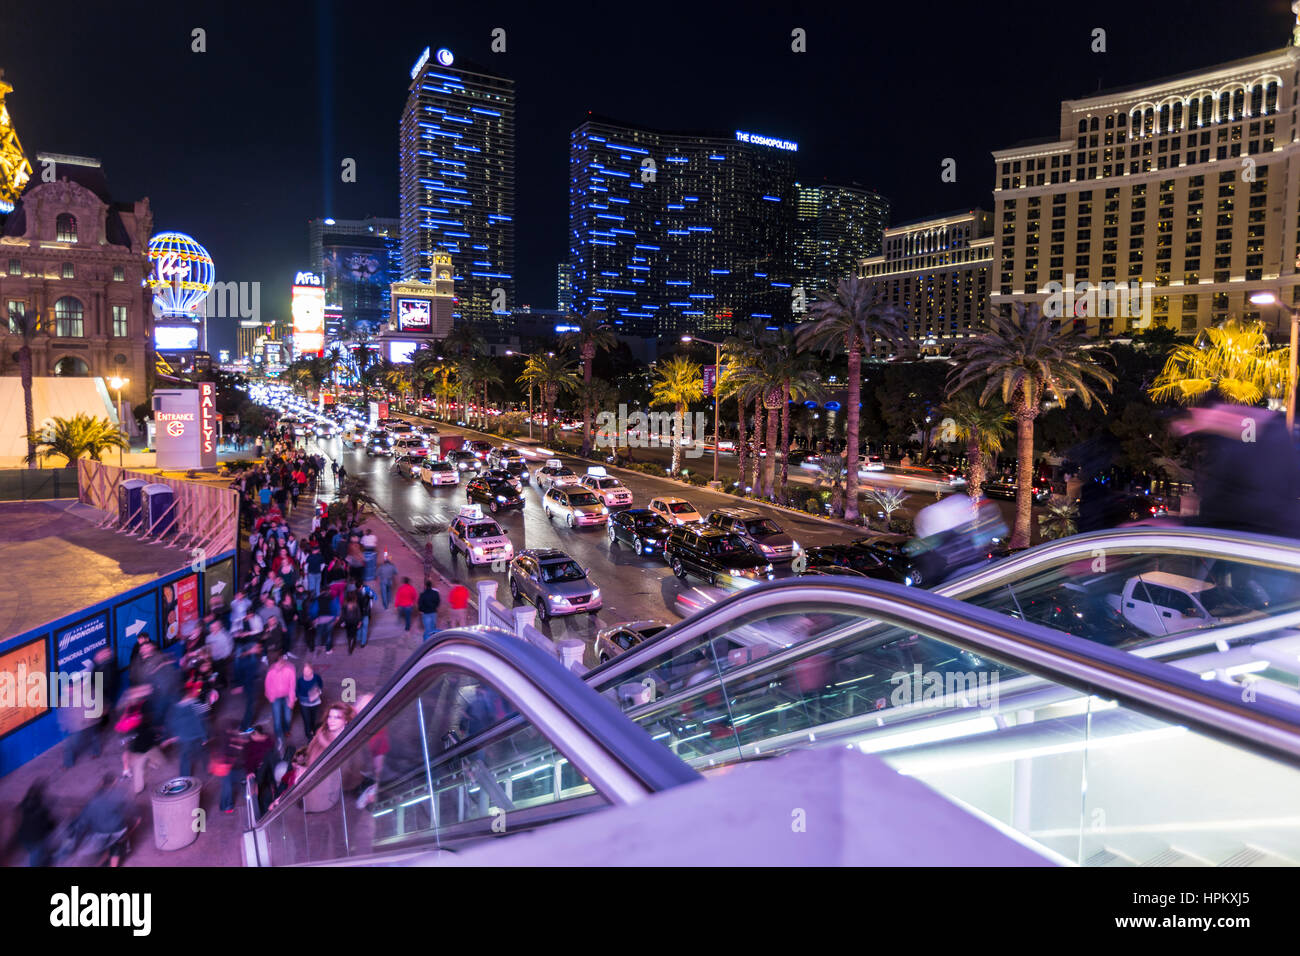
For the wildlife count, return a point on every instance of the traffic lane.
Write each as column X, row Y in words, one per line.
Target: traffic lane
column 632, row 587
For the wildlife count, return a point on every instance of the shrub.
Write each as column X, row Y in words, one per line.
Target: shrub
column 901, row 524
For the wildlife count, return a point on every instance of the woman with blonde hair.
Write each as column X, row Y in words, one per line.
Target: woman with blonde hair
column 336, row 719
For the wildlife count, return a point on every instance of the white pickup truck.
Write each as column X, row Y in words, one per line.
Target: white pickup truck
column 1161, row 603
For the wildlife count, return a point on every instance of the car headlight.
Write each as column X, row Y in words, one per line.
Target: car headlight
column 908, row 580
column 501, row 497
column 766, row 550
column 797, row 549
column 477, row 549
column 650, row 540
column 556, row 599
column 595, row 595
column 604, row 510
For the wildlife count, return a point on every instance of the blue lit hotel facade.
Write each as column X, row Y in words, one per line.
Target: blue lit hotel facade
column 681, row 232
column 457, row 178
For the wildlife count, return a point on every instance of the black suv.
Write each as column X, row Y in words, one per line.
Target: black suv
column 717, row 556
column 493, row 492
column 891, row 549
column 830, row 558
column 644, row 530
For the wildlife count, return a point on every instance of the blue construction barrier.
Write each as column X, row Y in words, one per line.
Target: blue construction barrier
column 160, row 608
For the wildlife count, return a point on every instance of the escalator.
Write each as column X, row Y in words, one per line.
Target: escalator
column 539, row 747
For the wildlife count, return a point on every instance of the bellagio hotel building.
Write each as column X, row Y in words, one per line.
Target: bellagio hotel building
column 1191, row 184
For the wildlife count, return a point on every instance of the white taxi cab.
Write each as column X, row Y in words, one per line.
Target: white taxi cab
column 609, row 490
column 478, row 539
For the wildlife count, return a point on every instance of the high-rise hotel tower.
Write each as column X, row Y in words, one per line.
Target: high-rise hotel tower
column 458, row 181
column 1189, row 184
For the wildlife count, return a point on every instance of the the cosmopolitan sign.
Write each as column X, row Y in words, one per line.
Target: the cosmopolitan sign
column 758, row 139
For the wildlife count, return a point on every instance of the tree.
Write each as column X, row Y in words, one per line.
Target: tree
column 984, row 429
column 27, row 327
column 832, row 475
column 550, row 374
column 887, row 500
column 739, row 355
column 852, row 319
column 908, row 395
column 1022, row 359
column 73, row 437
column 678, row 382
column 592, row 333
column 463, row 341
column 1233, row 361
column 398, row 379
column 1060, row 520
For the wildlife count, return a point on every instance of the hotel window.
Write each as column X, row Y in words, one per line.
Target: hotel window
column 65, row 227
column 119, row 274
column 15, row 267
column 68, row 316
column 67, row 270
column 119, row 321
column 17, row 309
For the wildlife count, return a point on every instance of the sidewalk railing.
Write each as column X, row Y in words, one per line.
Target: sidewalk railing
column 37, row 484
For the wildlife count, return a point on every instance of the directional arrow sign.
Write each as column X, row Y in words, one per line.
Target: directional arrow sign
column 134, row 628
column 218, row 587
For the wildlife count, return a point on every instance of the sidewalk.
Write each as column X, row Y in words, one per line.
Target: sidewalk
column 370, row 667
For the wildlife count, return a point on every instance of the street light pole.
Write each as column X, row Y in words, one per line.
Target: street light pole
column 117, row 383
column 717, row 365
column 1271, row 298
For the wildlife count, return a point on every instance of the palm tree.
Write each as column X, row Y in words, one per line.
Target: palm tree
column 1234, row 360
column 597, row 393
column 832, row 475
column 398, row 379
column 463, row 341
column 855, row 317
column 550, row 374
column 740, row 355
column 1023, row 359
column 592, row 332
column 333, row 362
column 677, row 383
column 27, row 327
column 984, row 429
column 73, row 437
column 484, row 372
column 1060, row 520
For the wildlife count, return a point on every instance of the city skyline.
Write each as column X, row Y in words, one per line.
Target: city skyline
column 305, row 121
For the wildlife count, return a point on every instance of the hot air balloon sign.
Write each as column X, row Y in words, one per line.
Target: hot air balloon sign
column 180, row 274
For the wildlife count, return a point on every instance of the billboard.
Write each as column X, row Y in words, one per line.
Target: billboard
column 353, row 274
column 80, row 642
column 401, row 351
column 177, row 426
column 414, row 315
column 207, row 422
column 175, row 338
column 23, row 670
column 308, row 309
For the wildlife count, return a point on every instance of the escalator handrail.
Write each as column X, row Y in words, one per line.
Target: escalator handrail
column 1151, row 686
column 635, row 766
column 1200, row 542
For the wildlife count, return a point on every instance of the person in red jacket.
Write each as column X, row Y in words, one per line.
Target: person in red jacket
column 405, row 600
column 458, row 606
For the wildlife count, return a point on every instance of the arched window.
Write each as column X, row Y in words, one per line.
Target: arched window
column 1136, row 122
column 1270, row 97
column 71, row 367
column 1257, row 101
column 1092, row 125
column 1083, row 126
column 1225, row 106
column 1193, row 114
column 1238, row 104
column 1148, row 121
column 1164, row 126
column 69, row 314
column 1207, row 109
column 1177, row 118
column 65, row 227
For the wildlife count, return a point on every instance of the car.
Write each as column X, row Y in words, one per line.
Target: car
column 578, row 506
column 762, row 532
column 379, row 447
column 478, row 539
column 479, row 447
column 609, row 490
column 715, row 556
column 871, row 463
column 435, row 472
column 855, row 557
column 500, row 474
column 645, row 530
column 891, row 548
column 614, row 640
column 464, row 461
column 552, row 582
column 804, row 459
column 829, row 570
column 1005, row 488
column 517, row 469
column 944, row 473
column 494, row 493
column 411, row 446
column 408, row 466
column 676, row 511
column 554, row 473
column 501, row 457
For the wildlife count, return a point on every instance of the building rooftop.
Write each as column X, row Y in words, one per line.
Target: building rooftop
column 1179, row 77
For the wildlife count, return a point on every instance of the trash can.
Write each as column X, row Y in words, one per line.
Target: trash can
column 174, row 803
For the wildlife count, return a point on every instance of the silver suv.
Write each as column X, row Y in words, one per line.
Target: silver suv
column 765, row 535
column 552, row 582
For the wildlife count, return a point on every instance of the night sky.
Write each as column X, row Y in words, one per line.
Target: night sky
column 241, row 145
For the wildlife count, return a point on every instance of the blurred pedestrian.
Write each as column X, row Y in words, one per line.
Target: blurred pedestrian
column 405, row 601
column 281, row 682
column 458, row 606
column 429, row 602
column 35, row 825
column 387, row 578
column 309, row 689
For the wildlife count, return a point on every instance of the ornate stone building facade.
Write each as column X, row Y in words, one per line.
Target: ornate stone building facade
column 75, row 260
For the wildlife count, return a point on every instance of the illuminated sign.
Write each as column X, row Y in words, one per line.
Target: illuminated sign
column 180, row 273
column 758, row 139
column 401, row 352
column 419, row 65
column 308, row 308
column 208, row 424
column 175, row 338
column 414, row 315
column 445, row 57
column 178, row 419
column 308, row 278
